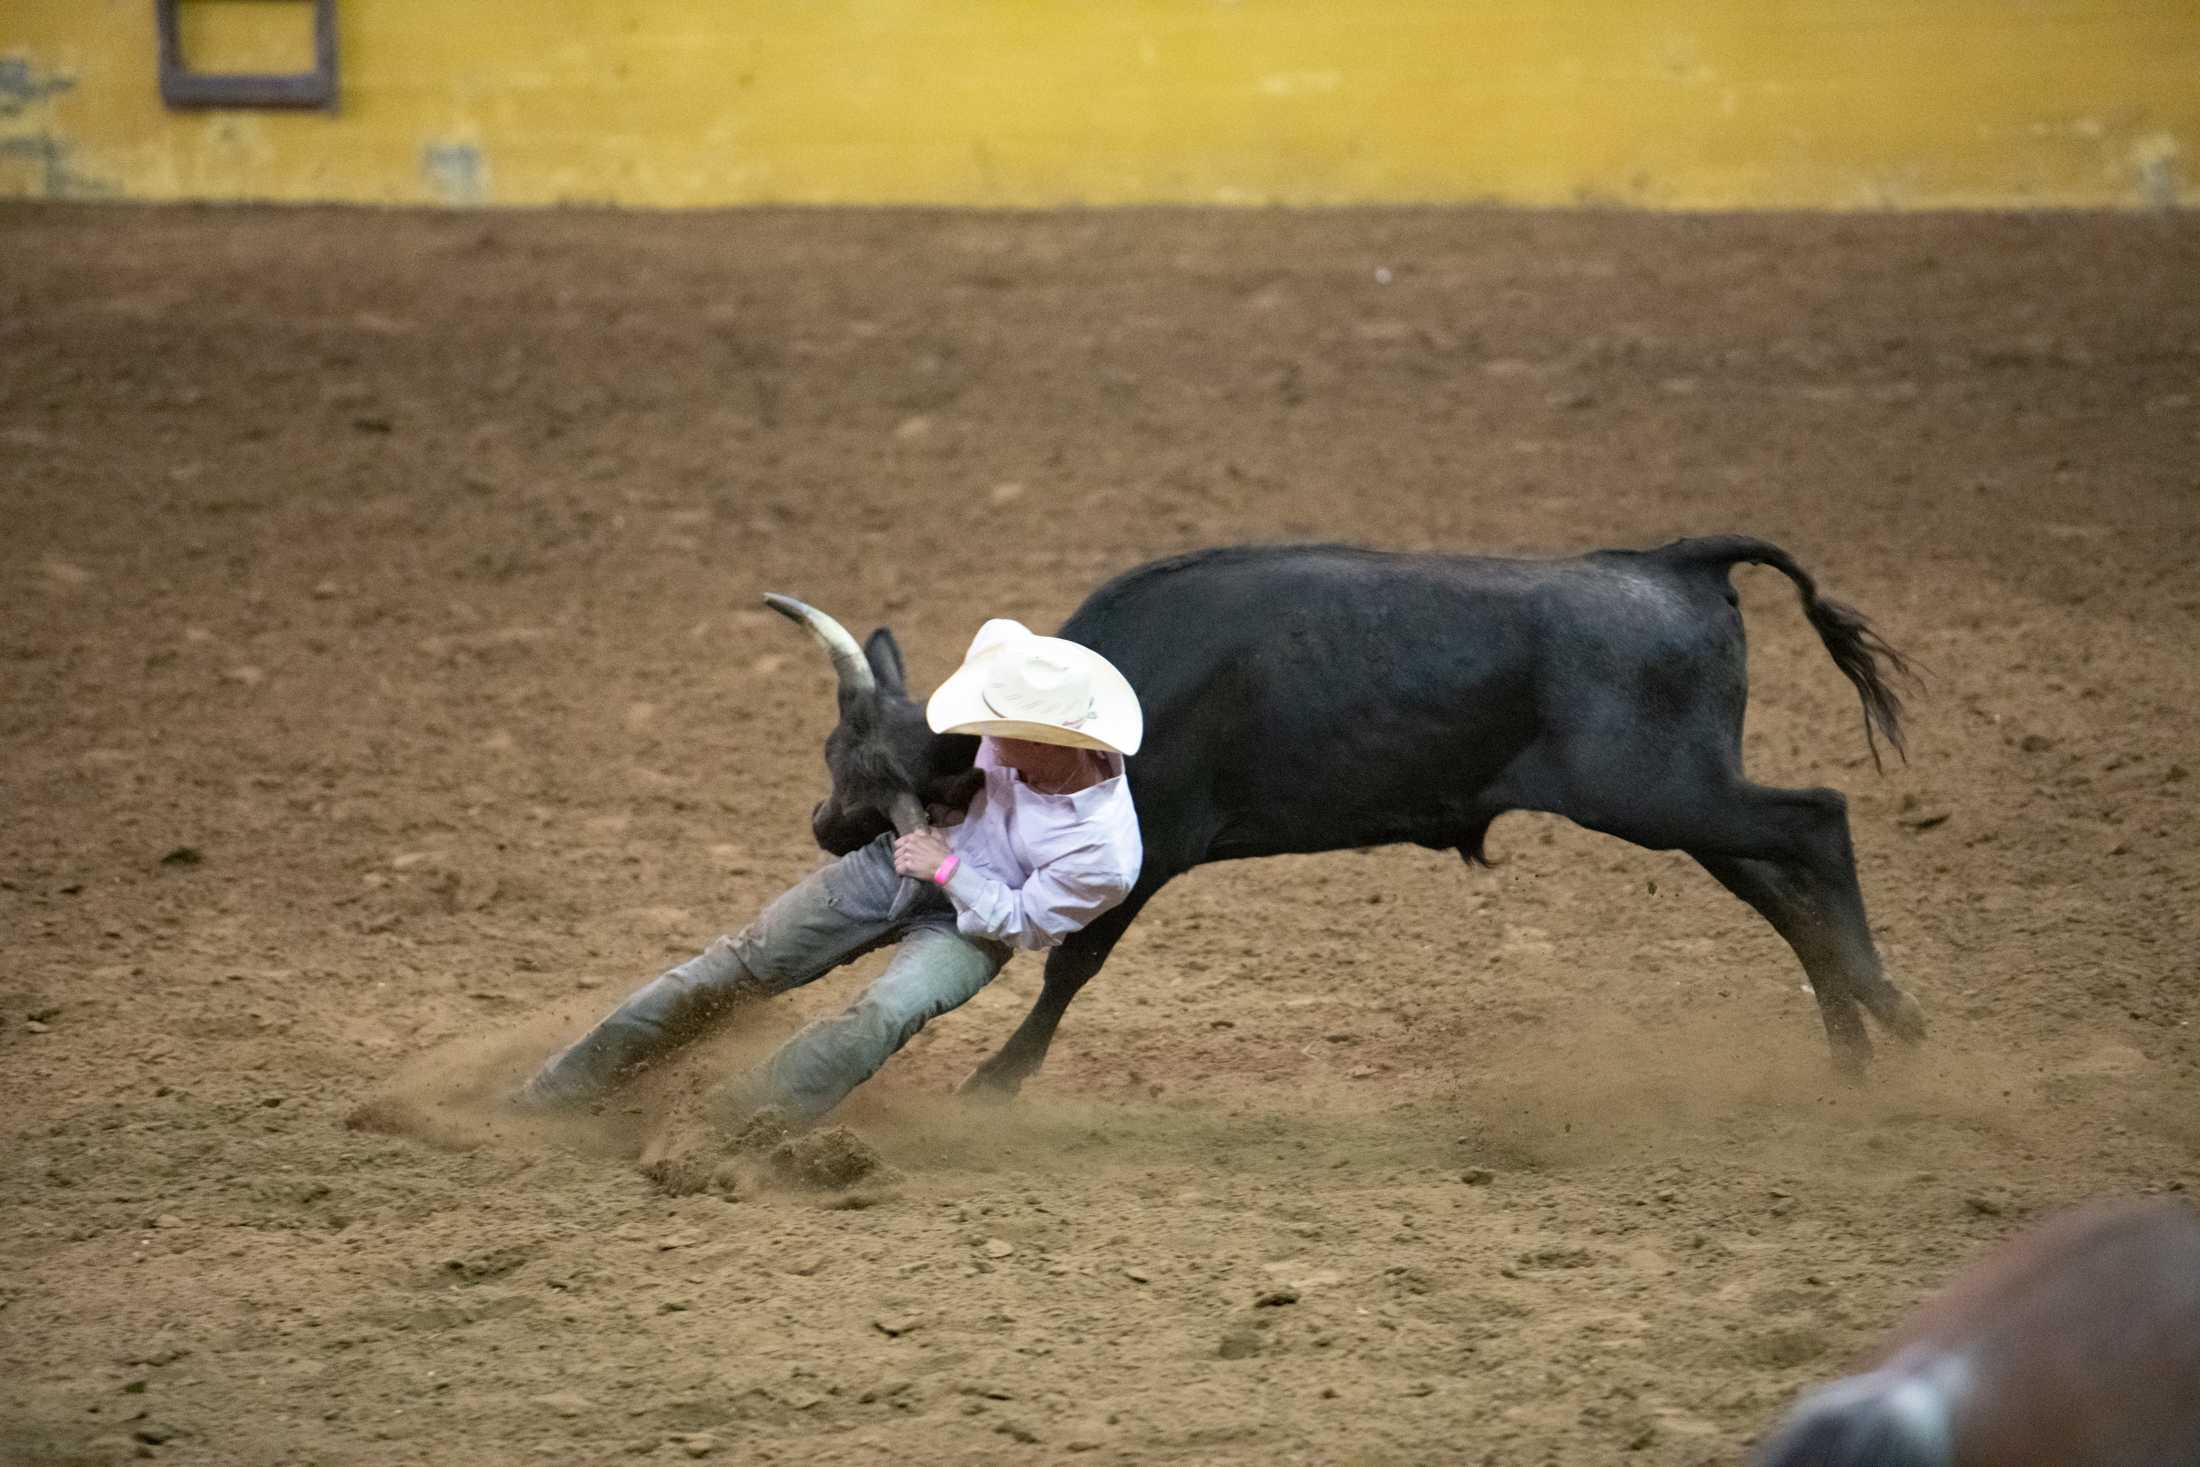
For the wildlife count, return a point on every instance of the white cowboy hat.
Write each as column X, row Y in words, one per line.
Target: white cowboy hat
column 1018, row 685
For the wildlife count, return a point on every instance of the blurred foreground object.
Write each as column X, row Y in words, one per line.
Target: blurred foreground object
column 2076, row 1345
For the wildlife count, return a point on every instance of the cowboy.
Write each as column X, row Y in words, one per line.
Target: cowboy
column 1049, row 842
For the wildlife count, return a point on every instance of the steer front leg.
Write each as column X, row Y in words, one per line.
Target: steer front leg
column 1069, row 968
column 1000, row 1077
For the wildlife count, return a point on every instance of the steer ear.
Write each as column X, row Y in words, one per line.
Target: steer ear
column 955, row 791
column 884, row 655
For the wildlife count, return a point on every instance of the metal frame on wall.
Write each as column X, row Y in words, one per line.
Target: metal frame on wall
column 180, row 86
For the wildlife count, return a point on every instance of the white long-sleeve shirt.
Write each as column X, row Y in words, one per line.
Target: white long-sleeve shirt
column 1037, row 867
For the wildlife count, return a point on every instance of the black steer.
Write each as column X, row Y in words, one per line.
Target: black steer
column 1318, row 698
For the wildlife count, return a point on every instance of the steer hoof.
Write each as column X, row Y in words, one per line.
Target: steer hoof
column 1852, row 1061
column 1906, row 1021
column 986, row 1083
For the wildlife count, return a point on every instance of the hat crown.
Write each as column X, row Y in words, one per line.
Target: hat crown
column 1016, row 684
column 1036, row 682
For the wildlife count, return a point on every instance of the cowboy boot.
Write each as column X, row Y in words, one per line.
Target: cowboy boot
column 664, row 1015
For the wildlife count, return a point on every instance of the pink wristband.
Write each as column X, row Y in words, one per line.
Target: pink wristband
column 947, row 869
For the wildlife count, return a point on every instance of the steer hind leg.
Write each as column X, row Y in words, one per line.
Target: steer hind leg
column 1787, row 853
column 1832, row 942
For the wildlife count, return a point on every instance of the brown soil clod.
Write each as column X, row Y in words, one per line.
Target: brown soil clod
column 686, row 1168
column 689, row 1155
column 383, row 1115
column 693, row 1153
column 762, row 1133
column 831, row 1160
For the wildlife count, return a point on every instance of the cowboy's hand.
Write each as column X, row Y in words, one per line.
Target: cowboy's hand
column 920, row 853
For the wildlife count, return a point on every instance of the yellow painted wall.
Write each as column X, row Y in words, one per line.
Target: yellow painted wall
column 1712, row 104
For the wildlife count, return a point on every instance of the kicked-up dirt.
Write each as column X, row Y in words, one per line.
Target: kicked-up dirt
column 384, row 690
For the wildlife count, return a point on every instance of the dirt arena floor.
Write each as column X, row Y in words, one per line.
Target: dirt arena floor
column 385, row 691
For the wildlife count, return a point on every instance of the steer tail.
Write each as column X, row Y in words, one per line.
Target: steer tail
column 1861, row 653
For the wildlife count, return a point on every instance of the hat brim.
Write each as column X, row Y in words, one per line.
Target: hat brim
column 958, row 706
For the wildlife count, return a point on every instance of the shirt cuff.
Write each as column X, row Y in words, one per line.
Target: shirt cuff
column 966, row 885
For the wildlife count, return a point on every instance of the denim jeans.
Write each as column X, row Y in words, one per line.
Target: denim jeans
column 833, row 916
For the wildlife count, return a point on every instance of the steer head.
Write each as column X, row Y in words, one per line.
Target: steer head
column 887, row 765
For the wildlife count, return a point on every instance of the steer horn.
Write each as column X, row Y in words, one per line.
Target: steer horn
column 907, row 813
column 848, row 659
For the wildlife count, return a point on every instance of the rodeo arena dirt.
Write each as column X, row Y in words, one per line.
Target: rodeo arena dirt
column 387, row 691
